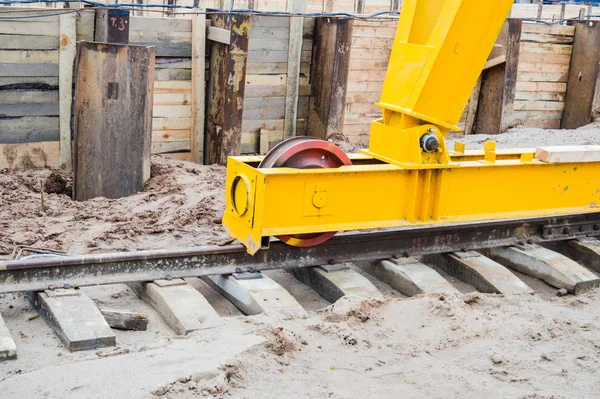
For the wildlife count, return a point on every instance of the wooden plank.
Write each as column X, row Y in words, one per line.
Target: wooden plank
column 113, row 125
column 28, row 109
column 542, row 86
column 269, row 44
column 539, row 106
column 173, row 74
column 543, row 68
column 545, row 58
column 29, row 56
column 275, row 56
column 173, row 87
column 564, row 30
column 367, row 76
column 219, row 35
column 544, row 38
column 29, row 83
column 537, row 115
column 544, row 48
column 164, row 25
column 495, row 61
column 85, row 24
column 159, row 37
column 30, row 96
column 330, row 76
column 171, row 135
column 68, row 38
column 583, row 76
column 542, row 77
column 28, row 42
column 472, row 107
column 172, row 98
column 539, row 96
column 172, row 111
column 29, row 123
column 179, row 156
column 169, row 49
column 267, row 102
column 29, row 27
column 171, row 123
column 171, row 146
column 125, row 319
column 568, row 153
column 7, row 69
column 226, row 89
column 266, row 80
column 542, row 124
column 29, row 156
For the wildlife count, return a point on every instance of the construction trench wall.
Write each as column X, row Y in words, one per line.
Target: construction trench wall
column 527, row 87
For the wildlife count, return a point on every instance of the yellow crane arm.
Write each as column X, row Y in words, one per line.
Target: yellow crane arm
column 305, row 190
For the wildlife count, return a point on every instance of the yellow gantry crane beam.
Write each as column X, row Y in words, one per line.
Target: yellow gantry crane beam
column 408, row 176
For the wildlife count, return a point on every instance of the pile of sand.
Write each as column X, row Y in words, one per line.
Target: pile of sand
column 181, row 206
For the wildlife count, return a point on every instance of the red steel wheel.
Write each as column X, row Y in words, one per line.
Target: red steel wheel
column 303, row 152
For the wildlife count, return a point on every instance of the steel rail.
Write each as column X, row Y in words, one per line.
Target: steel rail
column 125, row 267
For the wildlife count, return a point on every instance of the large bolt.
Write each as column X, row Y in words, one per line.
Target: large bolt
column 429, row 143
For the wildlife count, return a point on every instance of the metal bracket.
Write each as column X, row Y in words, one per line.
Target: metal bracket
column 571, row 230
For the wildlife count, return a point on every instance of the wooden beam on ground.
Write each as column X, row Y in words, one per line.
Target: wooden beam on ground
column 198, row 86
column 112, row 26
column 329, row 76
column 226, row 88
column 66, row 59
column 125, row 319
column 585, row 250
column 293, row 70
column 499, row 81
column 113, row 119
column 582, row 100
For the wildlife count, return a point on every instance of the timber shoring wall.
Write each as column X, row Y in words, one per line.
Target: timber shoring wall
column 31, row 130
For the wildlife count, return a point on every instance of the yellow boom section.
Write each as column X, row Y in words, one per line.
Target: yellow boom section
column 408, row 176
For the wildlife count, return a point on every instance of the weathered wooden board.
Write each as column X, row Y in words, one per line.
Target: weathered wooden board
column 113, row 111
column 583, row 76
column 28, row 42
column 9, row 69
column 29, row 156
column 29, row 56
column 226, row 87
column 29, row 109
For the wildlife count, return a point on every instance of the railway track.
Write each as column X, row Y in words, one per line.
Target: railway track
column 84, row 270
column 554, row 250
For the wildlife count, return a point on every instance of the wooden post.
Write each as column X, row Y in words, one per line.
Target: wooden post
column 563, row 8
column 359, row 6
column 582, row 99
column 498, row 88
column 198, row 85
column 65, row 87
column 112, row 26
column 329, row 74
column 113, row 119
column 540, row 9
column 293, row 70
column 226, row 87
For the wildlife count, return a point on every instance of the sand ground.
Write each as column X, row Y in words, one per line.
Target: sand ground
column 438, row 346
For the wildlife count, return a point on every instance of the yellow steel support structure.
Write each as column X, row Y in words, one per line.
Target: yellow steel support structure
column 408, row 176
